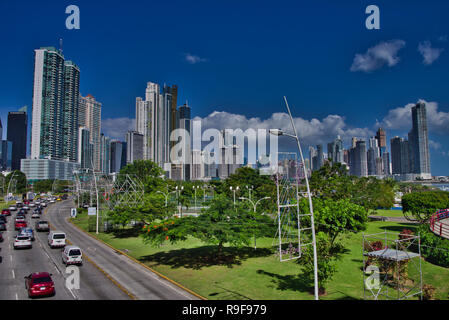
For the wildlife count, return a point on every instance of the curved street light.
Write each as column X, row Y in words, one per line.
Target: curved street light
column 254, row 207
column 279, row 132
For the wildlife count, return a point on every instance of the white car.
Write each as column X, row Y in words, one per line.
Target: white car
column 22, row 241
column 56, row 239
column 44, row 204
column 12, row 208
column 52, row 201
column 72, row 255
column 35, row 215
column 32, row 204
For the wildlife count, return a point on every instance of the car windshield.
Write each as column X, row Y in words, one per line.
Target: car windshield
column 75, row 252
column 23, row 238
column 59, row 236
column 41, row 280
column 43, row 222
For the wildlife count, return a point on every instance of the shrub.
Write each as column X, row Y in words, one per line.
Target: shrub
column 434, row 248
column 428, row 292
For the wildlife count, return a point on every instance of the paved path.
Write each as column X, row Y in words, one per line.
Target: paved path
column 395, row 219
column 442, row 228
column 140, row 282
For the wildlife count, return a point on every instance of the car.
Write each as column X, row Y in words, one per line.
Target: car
column 40, row 284
column 12, row 208
column 27, row 232
column 22, row 241
column 6, row 212
column 72, row 255
column 19, row 204
column 3, row 226
column 56, row 239
column 27, row 202
column 1, row 238
column 20, row 224
column 52, row 201
column 37, row 203
column 22, row 211
column 42, row 226
column 26, row 208
column 3, row 219
column 31, row 205
column 44, row 204
column 35, row 215
column 59, row 199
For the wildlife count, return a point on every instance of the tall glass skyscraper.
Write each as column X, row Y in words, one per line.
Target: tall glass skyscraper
column 420, row 141
column 17, row 135
column 89, row 115
column 70, row 111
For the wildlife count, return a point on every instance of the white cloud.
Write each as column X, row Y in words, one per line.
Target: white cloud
column 401, row 118
column 311, row 132
column 116, row 128
column 429, row 54
column 193, row 59
column 376, row 57
column 434, row 145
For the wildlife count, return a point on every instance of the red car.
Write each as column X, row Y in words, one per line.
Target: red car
column 6, row 212
column 26, row 202
column 40, row 284
column 20, row 224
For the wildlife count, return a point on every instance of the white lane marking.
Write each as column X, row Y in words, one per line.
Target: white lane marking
column 17, row 296
column 13, row 274
column 10, row 257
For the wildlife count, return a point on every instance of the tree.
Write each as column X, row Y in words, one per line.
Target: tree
column 150, row 210
column 421, row 206
column 326, row 262
column 335, row 217
column 219, row 224
column 148, row 172
column 21, row 181
column 42, row 186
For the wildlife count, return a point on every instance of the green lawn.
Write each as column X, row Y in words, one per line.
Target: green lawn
column 389, row 213
column 258, row 274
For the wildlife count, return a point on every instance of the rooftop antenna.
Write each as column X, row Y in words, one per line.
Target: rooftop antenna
column 60, row 45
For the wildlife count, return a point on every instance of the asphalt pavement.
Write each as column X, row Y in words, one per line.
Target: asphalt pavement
column 137, row 281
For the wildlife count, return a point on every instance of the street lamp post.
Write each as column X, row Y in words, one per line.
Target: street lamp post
column 254, row 207
column 9, row 184
column 194, row 189
column 279, row 132
column 234, row 190
column 178, row 193
column 249, row 190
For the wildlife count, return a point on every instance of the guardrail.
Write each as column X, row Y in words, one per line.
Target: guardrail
column 437, row 227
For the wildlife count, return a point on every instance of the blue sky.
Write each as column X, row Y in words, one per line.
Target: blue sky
column 241, row 58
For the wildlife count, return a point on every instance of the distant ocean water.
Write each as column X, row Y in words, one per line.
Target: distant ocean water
column 442, row 186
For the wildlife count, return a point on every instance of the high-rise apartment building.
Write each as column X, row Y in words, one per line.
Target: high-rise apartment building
column 6, row 155
column 17, row 134
column 134, row 143
column 70, row 111
column 85, row 149
column 48, row 104
column 358, row 159
column 89, row 116
column 419, row 141
column 105, row 154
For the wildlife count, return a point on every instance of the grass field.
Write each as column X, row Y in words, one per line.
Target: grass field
column 389, row 213
column 258, row 274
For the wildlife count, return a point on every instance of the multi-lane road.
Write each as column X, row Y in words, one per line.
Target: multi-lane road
column 104, row 275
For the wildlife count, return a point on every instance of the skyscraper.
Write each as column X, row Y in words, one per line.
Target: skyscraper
column 17, row 135
column 118, row 154
column 381, row 137
column 6, row 155
column 396, row 159
column 85, row 149
column 358, row 159
column 89, row 115
column 320, row 156
column 134, row 143
column 420, row 143
column 48, row 104
column 184, row 124
column 105, row 154
column 70, row 111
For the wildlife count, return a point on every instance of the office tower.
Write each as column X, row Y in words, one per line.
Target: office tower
column 185, row 124
column 320, row 156
column 371, row 161
column 334, row 150
column 358, row 159
column 381, row 137
column 405, row 157
column 89, row 116
column 197, row 165
column 386, row 165
column 396, row 159
column 105, row 154
column 70, row 111
column 17, row 134
column 170, row 100
column 354, row 142
column 48, row 103
column 118, row 154
column 419, row 141
column 85, row 149
column 134, row 146
column 210, row 165
column 6, row 155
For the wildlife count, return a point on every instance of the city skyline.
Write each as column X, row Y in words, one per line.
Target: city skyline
column 358, row 97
